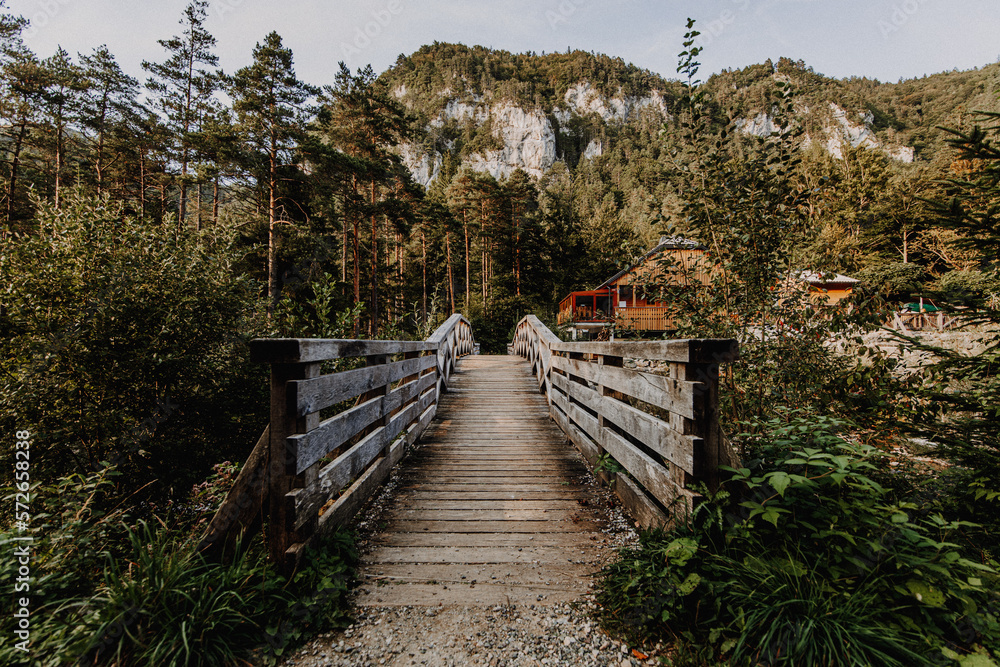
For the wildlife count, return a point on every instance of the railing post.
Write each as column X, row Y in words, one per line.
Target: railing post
column 285, row 423
column 712, row 454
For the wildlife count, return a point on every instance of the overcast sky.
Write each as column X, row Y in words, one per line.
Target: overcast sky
column 883, row 39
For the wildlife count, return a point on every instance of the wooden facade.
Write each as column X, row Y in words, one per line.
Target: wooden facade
column 633, row 298
column 823, row 288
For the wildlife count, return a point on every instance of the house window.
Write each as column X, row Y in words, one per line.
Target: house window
column 625, row 294
column 604, row 304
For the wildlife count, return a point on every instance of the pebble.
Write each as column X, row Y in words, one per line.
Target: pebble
column 496, row 635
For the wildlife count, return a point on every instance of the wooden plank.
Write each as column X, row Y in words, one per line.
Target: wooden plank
column 655, row 433
column 433, row 525
column 337, row 474
column 307, row 448
column 638, row 506
column 677, row 396
column 357, row 495
column 304, row 449
column 313, row 395
column 469, row 555
column 487, row 515
column 283, row 424
column 441, row 333
column 417, row 429
column 697, row 350
column 585, row 421
column 652, row 476
column 244, row 504
column 427, row 539
column 302, row 350
column 418, row 502
column 587, row 448
column 475, row 490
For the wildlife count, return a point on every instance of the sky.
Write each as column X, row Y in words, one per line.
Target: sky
column 886, row 40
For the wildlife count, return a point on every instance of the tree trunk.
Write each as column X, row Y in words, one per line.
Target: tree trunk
column 373, row 326
column 272, row 233
column 15, row 162
column 197, row 220
column 142, row 184
column 423, row 247
column 451, row 279
column 59, row 160
column 215, row 201
column 468, row 272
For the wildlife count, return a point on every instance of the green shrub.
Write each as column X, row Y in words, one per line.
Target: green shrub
column 169, row 606
column 105, row 593
column 807, row 560
column 969, row 287
column 896, row 281
column 125, row 341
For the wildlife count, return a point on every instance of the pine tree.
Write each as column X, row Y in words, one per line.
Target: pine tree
column 24, row 82
column 269, row 102
column 62, row 99
column 109, row 101
column 183, row 87
column 361, row 119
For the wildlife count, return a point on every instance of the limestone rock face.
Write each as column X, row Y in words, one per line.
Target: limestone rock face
column 424, row 167
column 842, row 131
column 529, row 143
column 583, row 99
column 527, row 136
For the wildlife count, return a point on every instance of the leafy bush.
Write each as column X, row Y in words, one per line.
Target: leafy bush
column 896, row 281
column 125, row 341
column 158, row 601
column 969, row 287
column 807, row 560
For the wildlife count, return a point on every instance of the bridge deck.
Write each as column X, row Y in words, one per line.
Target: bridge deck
column 493, row 508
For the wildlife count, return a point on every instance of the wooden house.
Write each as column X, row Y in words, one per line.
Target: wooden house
column 632, row 298
column 829, row 288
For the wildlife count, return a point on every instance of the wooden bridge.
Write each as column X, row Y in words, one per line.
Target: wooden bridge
column 492, row 501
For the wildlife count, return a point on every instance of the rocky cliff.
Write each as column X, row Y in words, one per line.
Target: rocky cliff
column 496, row 112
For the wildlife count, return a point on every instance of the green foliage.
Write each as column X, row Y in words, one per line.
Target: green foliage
column 970, row 287
column 494, row 325
column 807, row 560
column 105, row 593
column 121, row 338
column 75, row 524
column 607, row 463
column 896, row 281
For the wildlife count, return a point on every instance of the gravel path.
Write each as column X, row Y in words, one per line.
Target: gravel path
column 470, row 634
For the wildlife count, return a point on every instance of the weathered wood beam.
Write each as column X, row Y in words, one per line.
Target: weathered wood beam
column 303, row 350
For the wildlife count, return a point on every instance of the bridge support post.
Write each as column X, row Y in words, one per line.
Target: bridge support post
column 281, row 534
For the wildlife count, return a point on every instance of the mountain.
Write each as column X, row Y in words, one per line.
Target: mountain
column 496, row 112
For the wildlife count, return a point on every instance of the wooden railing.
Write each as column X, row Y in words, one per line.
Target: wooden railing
column 907, row 322
column 644, row 318
column 661, row 428
column 321, row 468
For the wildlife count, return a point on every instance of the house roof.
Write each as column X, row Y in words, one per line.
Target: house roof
column 666, row 243
column 819, row 279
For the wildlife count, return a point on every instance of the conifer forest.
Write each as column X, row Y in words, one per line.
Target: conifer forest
column 151, row 227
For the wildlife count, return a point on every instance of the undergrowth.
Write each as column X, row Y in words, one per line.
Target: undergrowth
column 104, row 591
column 803, row 558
